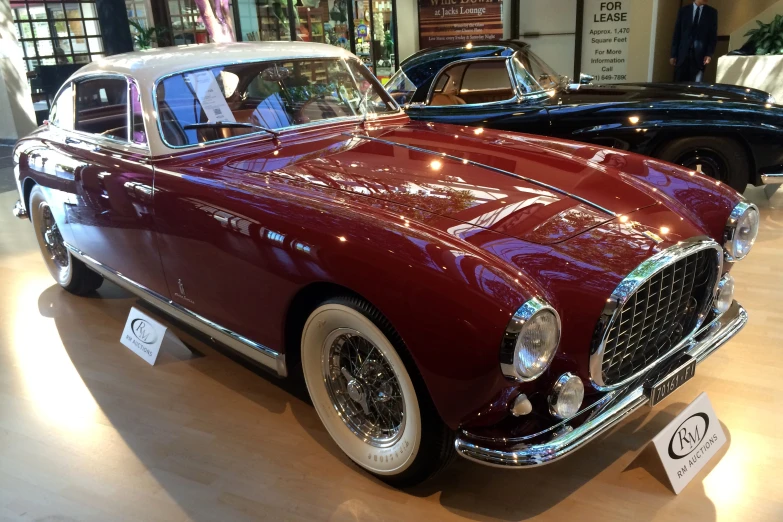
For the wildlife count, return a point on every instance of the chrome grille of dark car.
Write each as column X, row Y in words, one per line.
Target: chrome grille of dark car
column 659, row 314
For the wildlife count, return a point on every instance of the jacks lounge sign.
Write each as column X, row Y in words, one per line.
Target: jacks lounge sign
column 444, row 22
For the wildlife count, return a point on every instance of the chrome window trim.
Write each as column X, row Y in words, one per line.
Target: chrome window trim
column 731, row 227
column 339, row 119
column 256, row 351
column 103, row 140
column 488, row 167
column 511, row 79
column 640, row 275
column 525, row 313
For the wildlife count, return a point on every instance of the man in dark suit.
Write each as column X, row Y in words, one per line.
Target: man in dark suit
column 695, row 37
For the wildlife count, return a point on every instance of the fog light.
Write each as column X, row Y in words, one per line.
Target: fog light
column 521, row 406
column 566, row 397
column 725, row 295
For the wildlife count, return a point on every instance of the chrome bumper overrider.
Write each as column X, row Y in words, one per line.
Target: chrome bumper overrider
column 19, row 210
column 615, row 407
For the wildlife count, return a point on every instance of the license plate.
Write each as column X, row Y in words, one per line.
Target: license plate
column 666, row 386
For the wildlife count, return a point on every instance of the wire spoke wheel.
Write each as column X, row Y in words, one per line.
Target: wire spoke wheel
column 363, row 387
column 53, row 240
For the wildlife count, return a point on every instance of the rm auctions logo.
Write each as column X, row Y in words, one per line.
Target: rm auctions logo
column 688, row 435
column 144, row 331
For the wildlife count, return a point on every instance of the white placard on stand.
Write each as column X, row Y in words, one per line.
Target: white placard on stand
column 605, row 36
column 689, row 442
column 144, row 335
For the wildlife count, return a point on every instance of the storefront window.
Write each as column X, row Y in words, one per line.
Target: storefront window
column 56, row 38
column 374, row 33
column 187, row 26
column 323, row 21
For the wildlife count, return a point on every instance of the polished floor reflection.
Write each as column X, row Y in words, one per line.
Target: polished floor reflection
column 89, row 431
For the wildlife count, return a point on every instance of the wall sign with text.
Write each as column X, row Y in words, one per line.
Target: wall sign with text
column 444, row 22
column 607, row 29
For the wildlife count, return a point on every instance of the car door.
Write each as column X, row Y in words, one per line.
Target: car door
column 483, row 92
column 111, row 219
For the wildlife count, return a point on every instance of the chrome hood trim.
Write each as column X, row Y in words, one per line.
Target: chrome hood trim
column 483, row 166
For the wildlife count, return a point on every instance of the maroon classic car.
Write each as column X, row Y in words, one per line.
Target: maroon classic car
column 444, row 289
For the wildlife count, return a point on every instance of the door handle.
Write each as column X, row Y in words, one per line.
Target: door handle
column 72, row 141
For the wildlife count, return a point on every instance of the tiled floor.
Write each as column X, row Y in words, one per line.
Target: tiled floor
column 89, row 431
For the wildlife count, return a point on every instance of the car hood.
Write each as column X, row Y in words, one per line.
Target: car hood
column 641, row 92
column 468, row 179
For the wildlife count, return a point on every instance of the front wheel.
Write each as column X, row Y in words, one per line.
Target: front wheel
column 369, row 396
column 70, row 273
column 719, row 158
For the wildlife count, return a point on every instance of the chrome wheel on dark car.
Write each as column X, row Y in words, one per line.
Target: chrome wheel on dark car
column 720, row 158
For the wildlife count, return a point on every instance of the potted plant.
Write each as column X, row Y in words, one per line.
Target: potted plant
column 767, row 38
column 145, row 36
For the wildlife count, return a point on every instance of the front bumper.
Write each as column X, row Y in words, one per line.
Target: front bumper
column 607, row 412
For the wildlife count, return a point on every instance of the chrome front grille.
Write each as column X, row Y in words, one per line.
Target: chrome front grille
column 653, row 310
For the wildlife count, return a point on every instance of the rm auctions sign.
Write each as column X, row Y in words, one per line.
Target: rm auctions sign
column 443, row 22
column 689, row 442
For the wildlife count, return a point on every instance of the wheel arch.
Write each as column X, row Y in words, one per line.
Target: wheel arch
column 666, row 136
column 27, row 189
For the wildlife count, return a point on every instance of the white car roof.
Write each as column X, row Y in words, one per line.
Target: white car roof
column 150, row 65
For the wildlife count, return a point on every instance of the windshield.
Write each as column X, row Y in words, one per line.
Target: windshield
column 401, row 87
column 528, row 65
column 274, row 95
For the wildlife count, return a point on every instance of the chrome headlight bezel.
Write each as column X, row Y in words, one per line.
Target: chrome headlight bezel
column 510, row 348
column 737, row 216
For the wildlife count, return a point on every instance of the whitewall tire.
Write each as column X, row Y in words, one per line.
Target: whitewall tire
column 365, row 395
column 69, row 272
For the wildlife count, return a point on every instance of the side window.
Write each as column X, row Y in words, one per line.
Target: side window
column 446, row 88
column 61, row 114
column 102, row 107
column 486, row 76
column 137, row 116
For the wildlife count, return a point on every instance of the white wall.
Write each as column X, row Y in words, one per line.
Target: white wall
column 16, row 106
column 407, row 28
column 550, row 16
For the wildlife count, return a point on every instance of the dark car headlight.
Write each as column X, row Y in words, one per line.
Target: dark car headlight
column 531, row 340
column 741, row 231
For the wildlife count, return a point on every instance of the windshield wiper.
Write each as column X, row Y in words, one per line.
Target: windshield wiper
column 229, row 124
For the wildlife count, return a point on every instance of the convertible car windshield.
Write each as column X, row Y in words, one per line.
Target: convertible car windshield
column 474, row 80
column 221, row 102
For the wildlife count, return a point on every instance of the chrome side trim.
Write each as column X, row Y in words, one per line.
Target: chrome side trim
column 607, row 413
column 257, row 352
column 484, row 166
column 772, row 178
column 630, row 284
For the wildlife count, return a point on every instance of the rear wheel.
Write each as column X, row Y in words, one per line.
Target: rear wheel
column 719, row 158
column 69, row 272
column 369, row 396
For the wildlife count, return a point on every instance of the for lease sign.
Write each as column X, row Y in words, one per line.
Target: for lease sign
column 607, row 28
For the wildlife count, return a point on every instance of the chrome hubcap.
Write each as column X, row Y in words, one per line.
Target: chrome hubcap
column 363, row 387
column 55, row 245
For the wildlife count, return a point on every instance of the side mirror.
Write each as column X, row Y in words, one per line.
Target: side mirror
column 585, row 79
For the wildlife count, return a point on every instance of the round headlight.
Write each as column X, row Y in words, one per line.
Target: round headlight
column 531, row 341
column 741, row 231
column 725, row 295
column 566, row 397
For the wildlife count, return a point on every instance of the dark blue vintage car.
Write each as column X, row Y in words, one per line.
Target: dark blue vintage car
column 730, row 133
